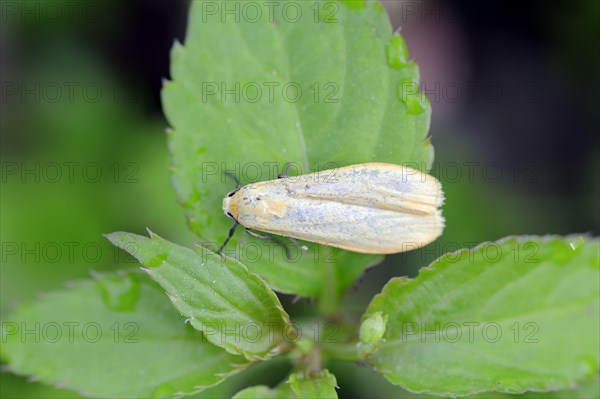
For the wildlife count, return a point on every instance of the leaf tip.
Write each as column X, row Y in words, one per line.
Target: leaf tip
column 115, row 237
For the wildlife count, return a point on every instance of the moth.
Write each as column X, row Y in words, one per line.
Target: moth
column 375, row 208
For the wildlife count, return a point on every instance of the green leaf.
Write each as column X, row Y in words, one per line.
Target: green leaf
column 14, row 386
column 117, row 336
column 233, row 307
column 589, row 389
column 358, row 103
column 321, row 385
column 510, row 316
column 264, row 392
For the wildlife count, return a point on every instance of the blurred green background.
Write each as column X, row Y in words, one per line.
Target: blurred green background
column 513, row 88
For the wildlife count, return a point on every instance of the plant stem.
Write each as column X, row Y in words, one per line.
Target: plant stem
column 341, row 351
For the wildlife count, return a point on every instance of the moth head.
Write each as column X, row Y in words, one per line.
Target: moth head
column 230, row 206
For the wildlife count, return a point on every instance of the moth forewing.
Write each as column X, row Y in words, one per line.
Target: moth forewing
column 370, row 208
column 377, row 185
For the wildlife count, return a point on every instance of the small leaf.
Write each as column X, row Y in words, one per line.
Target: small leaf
column 320, row 84
column 321, row 385
column 511, row 316
column 78, row 339
column 371, row 333
column 282, row 391
column 233, row 307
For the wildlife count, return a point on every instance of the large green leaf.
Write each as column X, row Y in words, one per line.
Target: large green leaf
column 117, row 336
column 357, row 104
column 520, row 314
column 233, row 307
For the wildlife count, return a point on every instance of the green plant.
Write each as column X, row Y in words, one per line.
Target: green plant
column 516, row 315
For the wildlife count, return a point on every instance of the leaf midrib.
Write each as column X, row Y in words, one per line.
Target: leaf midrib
column 222, row 297
column 294, row 106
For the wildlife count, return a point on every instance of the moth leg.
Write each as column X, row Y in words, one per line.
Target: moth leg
column 231, row 232
column 295, row 242
column 286, row 169
column 274, row 239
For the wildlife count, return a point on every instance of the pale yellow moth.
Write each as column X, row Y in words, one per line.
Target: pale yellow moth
column 376, row 208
